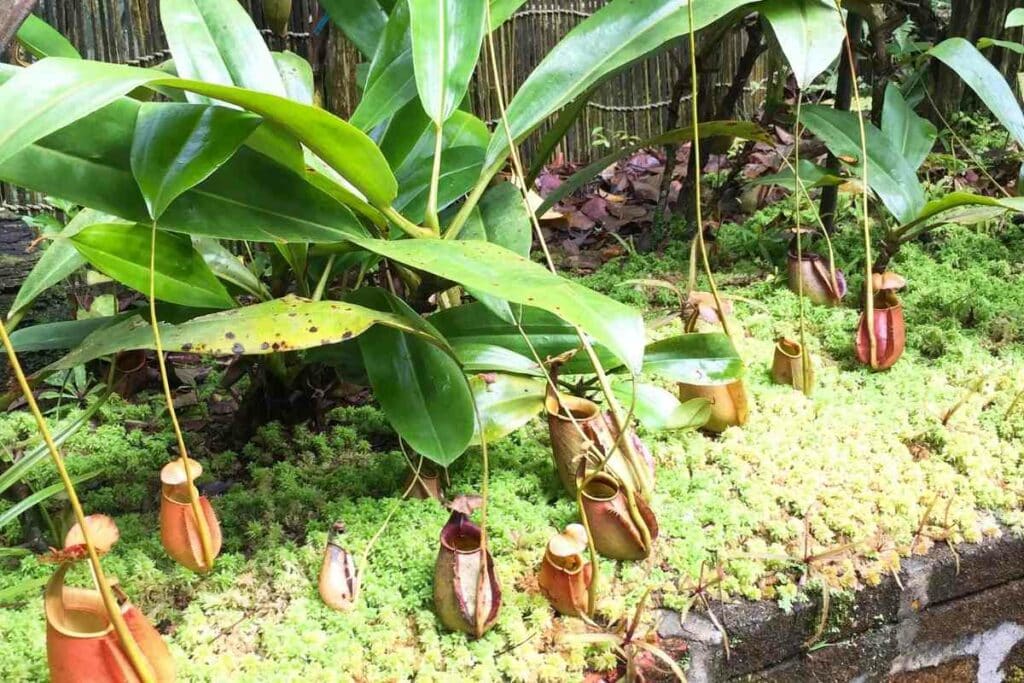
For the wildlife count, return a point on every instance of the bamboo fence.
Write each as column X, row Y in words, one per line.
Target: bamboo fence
column 632, row 103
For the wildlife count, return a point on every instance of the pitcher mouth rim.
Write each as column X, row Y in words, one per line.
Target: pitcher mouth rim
column 789, row 348
column 603, row 479
column 553, row 405
column 572, row 572
column 466, row 530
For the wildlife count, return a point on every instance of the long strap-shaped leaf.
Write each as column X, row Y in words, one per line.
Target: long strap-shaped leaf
column 890, row 177
column 446, row 36
column 286, row 324
column 807, row 33
column 217, row 41
column 985, row 80
column 616, row 35
column 56, row 92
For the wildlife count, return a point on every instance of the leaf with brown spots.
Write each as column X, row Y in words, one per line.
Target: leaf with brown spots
column 279, row 325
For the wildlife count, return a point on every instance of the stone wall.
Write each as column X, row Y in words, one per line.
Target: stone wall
column 951, row 621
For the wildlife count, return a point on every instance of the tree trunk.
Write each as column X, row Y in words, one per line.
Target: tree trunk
column 12, row 15
column 974, row 19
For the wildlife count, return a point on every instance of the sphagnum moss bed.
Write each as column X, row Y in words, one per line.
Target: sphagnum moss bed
column 868, row 459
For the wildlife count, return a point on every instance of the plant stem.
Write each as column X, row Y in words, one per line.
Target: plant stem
column 805, row 360
column 621, row 424
column 131, row 648
column 322, row 285
column 193, row 494
column 435, row 179
column 455, row 227
column 407, row 226
column 869, row 290
column 11, row 19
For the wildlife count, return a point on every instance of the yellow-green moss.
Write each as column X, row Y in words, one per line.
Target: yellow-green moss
column 861, row 462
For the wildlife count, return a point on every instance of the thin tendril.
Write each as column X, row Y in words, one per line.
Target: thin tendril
column 695, row 154
column 621, row 424
column 193, row 494
column 131, row 648
column 869, row 289
column 805, row 360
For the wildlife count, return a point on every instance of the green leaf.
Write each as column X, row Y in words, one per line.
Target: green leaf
column 913, row 136
column 297, row 75
column 391, row 80
column 810, row 33
column 216, row 41
column 446, row 39
column 1015, row 18
column 477, row 357
column 889, row 174
column 122, row 252
column 503, row 218
column 984, row 43
column 494, row 270
column 550, row 336
column 227, row 267
column 59, row 260
column 11, row 514
column 462, row 129
column 285, row 324
column 460, row 168
column 88, row 163
column 178, row 146
column 421, row 389
column 409, row 139
column 362, row 21
column 506, row 403
column 739, row 129
column 502, row 11
column 616, row 35
column 345, row 149
column 54, row 93
column 40, row 90
column 955, row 200
column 42, row 40
column 705, row 359
column 65, row 334
column 985, row 80
column 811, row 175
column 658, row 409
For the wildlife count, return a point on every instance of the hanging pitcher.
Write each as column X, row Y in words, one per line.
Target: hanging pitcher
column 458, row 594
column 565, row 573
column 582, row 435
column 819, row 287
column 788, row 365
column 890, row 332
column 427, row 483
column 178, row 530
column 621, row 522
column 339, row 575
column 81, row 644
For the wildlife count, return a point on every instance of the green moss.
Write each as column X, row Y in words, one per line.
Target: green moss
column 860, row 462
